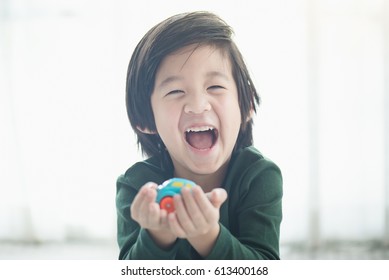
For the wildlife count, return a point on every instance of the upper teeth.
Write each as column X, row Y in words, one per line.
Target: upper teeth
column 200, row 128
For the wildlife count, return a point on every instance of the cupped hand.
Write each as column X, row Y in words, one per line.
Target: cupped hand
column 149, row 216
column 146, row 211
column 197, row 213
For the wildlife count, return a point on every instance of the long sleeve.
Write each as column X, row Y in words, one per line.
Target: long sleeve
column 254, row 217
column 249, row 219
column 134, row 242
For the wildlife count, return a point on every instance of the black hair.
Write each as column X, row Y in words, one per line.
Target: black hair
column 174, row 33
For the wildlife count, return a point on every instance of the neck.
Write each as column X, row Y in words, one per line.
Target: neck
column 207, row 181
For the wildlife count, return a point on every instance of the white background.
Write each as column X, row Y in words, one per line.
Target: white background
column 320, row 68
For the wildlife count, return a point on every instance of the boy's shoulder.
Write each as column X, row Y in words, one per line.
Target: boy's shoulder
column 252, row 173
column 249, row 156
column 249, row 163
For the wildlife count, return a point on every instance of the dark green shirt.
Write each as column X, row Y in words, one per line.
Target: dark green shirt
column 249, row 219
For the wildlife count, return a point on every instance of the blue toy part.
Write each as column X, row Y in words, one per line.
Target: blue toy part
column 168, row 189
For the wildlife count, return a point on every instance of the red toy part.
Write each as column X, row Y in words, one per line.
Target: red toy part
column 167, row 204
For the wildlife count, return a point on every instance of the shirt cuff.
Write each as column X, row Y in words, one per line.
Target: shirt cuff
column 150, row 250
column 218, row 250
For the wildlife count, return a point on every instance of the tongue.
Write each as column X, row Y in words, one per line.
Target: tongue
column 200, row 140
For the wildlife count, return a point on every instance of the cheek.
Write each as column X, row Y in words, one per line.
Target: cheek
column 165, row 118
column 230, row 118
column 235, row 118
column 233, row 112
column 159, row 112
column 235, row 122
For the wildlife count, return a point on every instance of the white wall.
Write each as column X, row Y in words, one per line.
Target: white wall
column 65, row 137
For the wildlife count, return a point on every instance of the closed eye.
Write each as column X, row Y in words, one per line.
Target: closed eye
column 216, row 87
column 176, row 91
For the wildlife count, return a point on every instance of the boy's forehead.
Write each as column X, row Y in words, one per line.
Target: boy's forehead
column 208, row 57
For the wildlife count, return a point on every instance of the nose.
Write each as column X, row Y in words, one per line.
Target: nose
column 197, row 103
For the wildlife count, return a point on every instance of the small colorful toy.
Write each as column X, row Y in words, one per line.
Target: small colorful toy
column 168, row 189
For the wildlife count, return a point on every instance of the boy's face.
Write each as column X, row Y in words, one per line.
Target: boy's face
column 196, row 109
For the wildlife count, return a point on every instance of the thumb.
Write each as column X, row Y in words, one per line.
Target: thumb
column 217, row 197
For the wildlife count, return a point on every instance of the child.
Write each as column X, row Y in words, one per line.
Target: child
column 190, row 100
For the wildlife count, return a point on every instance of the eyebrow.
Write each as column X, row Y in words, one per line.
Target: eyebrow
column 210, row 74
column 217, row 74
column 169, row 80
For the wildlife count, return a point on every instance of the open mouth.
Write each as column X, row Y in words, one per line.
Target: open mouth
column 201, row 138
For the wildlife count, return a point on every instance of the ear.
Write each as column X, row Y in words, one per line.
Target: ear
column 145, row 130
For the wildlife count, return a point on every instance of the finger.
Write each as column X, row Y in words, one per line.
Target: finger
column 209, row 212
column 218, row 196
column 140, row 205
column 149, row 195
column 151, row 191
column 143, row 207
column 189, row 201
column 136, row 203
column 150, row 210
column 192, row 208
column 141, row 194
column 182, row 215
column 153, row 215
column 175, row 226
column 163, row 218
